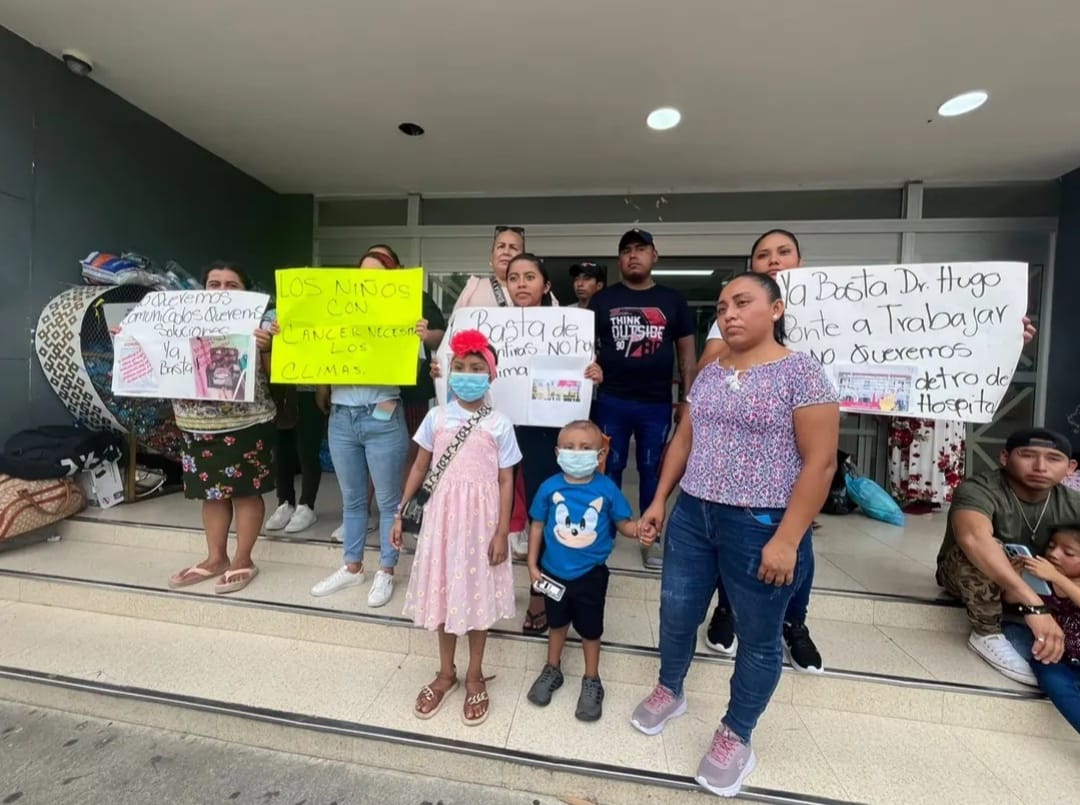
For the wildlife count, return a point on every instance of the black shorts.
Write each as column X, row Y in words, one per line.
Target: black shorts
column 582, row 604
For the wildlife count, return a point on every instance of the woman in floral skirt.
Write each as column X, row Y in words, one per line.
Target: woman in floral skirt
column 228, row 463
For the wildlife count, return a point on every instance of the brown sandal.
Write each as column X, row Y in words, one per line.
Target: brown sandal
column 476, row 700
column 429, row 695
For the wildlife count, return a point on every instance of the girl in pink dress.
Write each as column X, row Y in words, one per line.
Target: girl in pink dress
column 461, row 581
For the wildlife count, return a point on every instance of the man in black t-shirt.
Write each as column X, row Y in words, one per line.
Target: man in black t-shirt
column 640, row 328
column 589, row 279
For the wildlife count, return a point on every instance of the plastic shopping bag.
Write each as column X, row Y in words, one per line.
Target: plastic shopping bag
column 872, row 500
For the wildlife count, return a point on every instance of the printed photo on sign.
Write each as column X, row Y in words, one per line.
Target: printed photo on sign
column 556, row 389
column 876, row 389
column 638, row 331
column 960, row 325
column 221, row 367
column 560, row 392
column 542, row 356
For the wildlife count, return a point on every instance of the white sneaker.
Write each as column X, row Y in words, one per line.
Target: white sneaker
column 280, row 518
column 338, row 534
column 382, row 588
column 303, row 518
column 519, row 545
column 338, row 580
column 999, row 653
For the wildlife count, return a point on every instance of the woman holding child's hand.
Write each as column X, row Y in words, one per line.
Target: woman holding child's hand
column 750, row 527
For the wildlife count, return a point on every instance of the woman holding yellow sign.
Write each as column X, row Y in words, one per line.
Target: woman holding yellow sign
column 368, row 442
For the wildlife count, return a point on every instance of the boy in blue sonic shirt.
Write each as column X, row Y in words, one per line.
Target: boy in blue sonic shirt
column 574, row 519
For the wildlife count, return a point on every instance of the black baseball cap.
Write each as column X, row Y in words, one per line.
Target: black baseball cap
column 1038, row 437
column 596, row 271
column 635, row 236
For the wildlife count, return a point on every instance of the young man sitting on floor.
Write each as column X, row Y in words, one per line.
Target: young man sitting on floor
column 1017, row 504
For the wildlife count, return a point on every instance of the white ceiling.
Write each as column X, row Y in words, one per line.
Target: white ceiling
column 549, row 96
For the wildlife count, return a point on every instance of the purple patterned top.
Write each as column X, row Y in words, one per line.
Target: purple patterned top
column 744, row 451
column 1067, row 615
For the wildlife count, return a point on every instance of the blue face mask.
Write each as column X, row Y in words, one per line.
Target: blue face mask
column 469, row 387
column 579, row 463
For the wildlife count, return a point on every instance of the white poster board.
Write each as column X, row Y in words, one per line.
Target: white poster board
column 929, row 340
column 542, row 353
column 189, row 345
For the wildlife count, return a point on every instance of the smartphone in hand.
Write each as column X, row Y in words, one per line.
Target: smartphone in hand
column 1040, row 586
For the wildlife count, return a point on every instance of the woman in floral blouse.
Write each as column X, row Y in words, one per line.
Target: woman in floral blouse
column 228, row 462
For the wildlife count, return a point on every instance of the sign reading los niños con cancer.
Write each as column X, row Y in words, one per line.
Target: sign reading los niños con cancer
column 348, row 326
column 934, row 341
column 189, row 345
column 542, row 355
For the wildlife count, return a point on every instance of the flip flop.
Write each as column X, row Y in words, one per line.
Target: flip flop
column 198, row 574
column 235, row 580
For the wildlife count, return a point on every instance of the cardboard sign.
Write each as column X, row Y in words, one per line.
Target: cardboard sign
column 189, row 345
column 347, row 326
column 542, row 354
column 929, row 340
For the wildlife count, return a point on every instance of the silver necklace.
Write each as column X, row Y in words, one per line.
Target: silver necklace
column 1027, row 522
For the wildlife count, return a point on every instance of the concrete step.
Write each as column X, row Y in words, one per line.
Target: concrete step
column 628, row 579
column 921, row 674
column 352, row 704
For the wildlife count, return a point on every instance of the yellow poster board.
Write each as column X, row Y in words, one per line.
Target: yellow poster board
column 347, row 326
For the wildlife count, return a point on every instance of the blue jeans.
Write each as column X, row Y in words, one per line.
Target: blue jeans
column 1060, row 681
column 649, row 424
column 362, row 447
column 800, row 599
column 709, row 540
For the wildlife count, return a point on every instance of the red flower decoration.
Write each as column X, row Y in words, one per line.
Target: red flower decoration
column 468, row 342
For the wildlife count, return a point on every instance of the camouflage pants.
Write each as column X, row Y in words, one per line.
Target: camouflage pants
column 981, row 596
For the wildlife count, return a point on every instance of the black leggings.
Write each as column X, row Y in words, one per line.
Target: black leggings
column 538, row 463
column 298, row 453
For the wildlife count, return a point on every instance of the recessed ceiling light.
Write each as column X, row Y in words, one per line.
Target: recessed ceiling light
column 963, row 103
column 664, row 118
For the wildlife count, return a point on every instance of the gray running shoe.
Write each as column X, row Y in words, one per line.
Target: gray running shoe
column 549, row 681
column 652, row 557
column 590, row 703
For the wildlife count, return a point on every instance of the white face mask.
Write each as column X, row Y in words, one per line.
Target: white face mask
column 579, row 463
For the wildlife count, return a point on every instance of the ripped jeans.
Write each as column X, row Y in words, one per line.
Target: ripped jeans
column 706, row 541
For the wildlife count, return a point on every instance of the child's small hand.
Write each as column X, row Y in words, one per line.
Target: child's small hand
column 1041, row 568
column 396, row 538
column 114, row 330
column 594, row 373
column 534, row 574
column 499, row 549
column 435, row 369
column 422, row 329
column 646, row 532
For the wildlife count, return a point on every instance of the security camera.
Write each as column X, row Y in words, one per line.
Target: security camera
column 77, row 62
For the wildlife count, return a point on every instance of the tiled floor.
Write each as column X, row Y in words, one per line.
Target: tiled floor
column 801, row 748
column 852, row 552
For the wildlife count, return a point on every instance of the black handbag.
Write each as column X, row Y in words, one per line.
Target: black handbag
column 412, row 513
